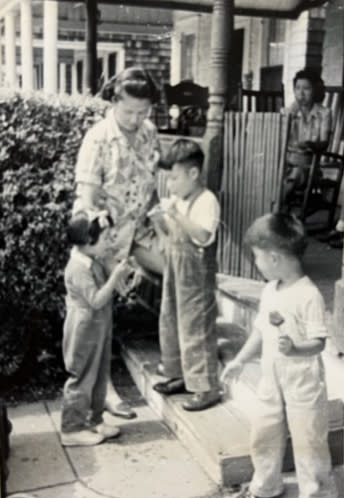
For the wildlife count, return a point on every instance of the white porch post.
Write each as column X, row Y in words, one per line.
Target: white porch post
column 10, row 49
column 26, row 44
column 63, row 79
column 74, row 79
column 50, row 46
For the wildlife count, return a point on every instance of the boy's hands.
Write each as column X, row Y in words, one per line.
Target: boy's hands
column 232, row 369
column 285, row 345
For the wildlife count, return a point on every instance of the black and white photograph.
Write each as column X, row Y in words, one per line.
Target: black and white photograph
column 171, row 248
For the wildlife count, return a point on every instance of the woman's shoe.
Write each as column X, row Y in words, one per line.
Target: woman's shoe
column 106, row 430
column 171, row 386
column 326, row 237
column 202, row 401
column 122, row 409
column 337, row 243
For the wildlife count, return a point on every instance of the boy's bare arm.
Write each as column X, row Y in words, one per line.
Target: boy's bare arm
column 192, row 229
column 250, row 349
column 309, row 347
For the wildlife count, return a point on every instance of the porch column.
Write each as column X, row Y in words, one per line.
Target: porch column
column 74, row 79
column 50, row 46
column 10, row 50
column 91, row 46
column 63, row 79
column 26, row 44
column 220, row 47
column 338, row 304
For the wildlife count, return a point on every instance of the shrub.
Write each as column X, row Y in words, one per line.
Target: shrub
column 40, row 137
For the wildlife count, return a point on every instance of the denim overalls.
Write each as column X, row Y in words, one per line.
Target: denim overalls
column 188, row 312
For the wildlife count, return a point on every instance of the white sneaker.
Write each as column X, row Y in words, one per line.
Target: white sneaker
column 106, row 431
column 81, row 438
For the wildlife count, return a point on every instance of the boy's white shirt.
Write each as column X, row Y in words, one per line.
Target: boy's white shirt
column 205, row 212
column 303, row 309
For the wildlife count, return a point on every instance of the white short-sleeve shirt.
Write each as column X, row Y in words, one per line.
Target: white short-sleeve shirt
column 205, row 212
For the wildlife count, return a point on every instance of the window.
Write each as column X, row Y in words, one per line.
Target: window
column 187, row 57
column 276, row 42
column 112, row 64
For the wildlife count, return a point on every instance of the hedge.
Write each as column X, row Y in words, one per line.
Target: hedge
column 39, row 140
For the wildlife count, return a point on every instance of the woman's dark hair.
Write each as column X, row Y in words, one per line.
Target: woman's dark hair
column 82, row 231
column 315, row 80
column 135, row 81
column 185, row 152
column 280, row 232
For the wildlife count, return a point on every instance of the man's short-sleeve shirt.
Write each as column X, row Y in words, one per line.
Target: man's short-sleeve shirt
column 126, row 173
column 315, row 128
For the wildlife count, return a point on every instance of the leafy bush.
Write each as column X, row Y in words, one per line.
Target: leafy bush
column 40, row 137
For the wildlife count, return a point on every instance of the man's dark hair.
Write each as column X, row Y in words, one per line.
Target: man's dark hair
column 280, row 232
column 81, row 230
column 135, row 81
column 185, row 152
column 315, row 80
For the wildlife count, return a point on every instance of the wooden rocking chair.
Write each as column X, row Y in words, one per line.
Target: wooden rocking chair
column 326, row 171
column 192, row 103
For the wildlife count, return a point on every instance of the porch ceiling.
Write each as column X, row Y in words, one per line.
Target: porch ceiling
column 262, row 8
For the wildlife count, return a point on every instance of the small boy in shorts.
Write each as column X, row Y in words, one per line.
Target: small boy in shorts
column 188, row 307
column 88, row 329
column 290, row 332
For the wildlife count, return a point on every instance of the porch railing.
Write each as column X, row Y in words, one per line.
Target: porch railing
column 254, row 157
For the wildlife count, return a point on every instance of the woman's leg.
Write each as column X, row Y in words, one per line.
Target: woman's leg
column 150, row 258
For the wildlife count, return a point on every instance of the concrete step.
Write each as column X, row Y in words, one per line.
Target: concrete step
column 218, row 438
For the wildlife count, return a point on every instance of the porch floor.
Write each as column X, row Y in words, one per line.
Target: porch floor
column 323, row 264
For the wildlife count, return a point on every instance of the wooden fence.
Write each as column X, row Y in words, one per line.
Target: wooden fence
column 254, row 158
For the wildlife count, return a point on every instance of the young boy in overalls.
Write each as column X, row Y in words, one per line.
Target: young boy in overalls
column 188, row 308
column 290, row 331
column 87, row 329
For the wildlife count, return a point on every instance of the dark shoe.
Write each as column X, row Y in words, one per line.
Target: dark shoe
column 171, row 386
column 202, row 401
column 122, row 410
column 329, row 236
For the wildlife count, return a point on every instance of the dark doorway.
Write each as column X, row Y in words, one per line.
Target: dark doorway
column 235, row 71
column 271, row 78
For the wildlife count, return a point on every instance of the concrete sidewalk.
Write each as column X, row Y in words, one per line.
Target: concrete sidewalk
column 145, row 462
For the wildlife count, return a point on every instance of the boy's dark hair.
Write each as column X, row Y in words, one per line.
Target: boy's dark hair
column 280, row 231
column 185, row 152
column 315, row 80
column 81, row 230
column 135, row 81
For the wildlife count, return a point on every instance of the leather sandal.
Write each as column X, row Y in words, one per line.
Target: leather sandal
column 171, row 386
column 202, row 401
